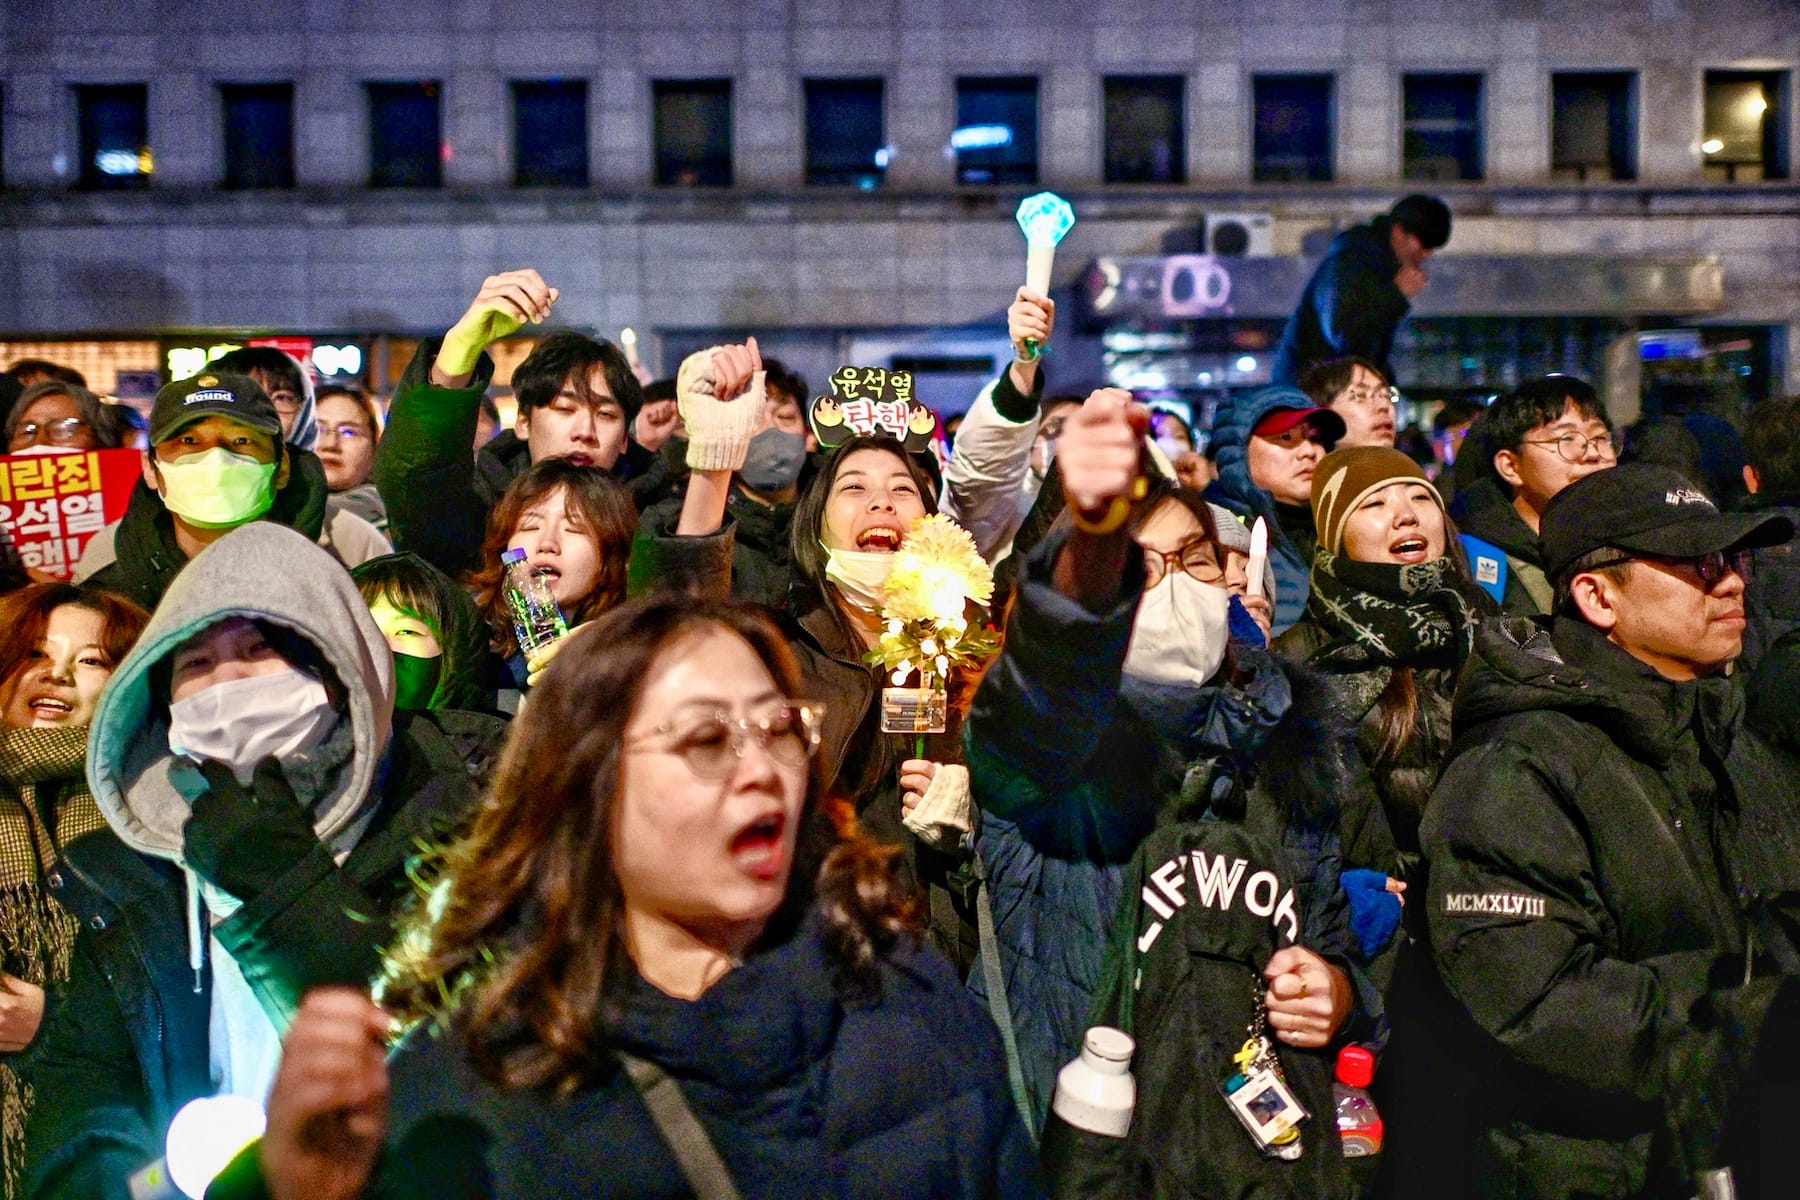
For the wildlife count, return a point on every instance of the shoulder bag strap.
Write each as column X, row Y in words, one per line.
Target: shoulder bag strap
column 700, row 1163
column 995, row 980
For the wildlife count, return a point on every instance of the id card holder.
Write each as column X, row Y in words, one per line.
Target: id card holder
column 1267, row 1110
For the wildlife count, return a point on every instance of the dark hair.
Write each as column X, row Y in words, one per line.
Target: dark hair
column 1332, row 376
column 1534, row 403
column 1772, row 444
column 570, row 358
column 1455, row 411
column 1587, row 564
column 490, row 410
column 25, row 614
column 603, row 504
column 40, row 370
column 282, row 369
column 1666, row 442
column 296, row 648
column 1425, row 217
column 101, row 417
column 779, row 377
column 520, row 944
column 363, row 401
column 1057, row 400
column 809, row 510
column 420, row 590
column 658, row 390
column 1167, row 414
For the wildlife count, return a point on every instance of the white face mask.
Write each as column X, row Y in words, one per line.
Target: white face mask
column 242, row 722
column 859, row 574
column 1181, row 631
column 47, row 448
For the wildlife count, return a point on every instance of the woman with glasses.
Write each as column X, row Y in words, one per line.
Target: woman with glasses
column 1120, row 708
column 1356, row 390
column 61, row 418
column 349, row 429
column 663, row 950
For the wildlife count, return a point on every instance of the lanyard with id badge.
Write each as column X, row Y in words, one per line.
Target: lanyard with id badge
column 1256, row 1092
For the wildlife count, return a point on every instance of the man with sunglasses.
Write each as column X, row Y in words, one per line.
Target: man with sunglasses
column 1599, row 846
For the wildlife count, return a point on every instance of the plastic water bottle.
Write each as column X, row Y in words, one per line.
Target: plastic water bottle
column 1096, row 1092
column 1358, row 1122
column 536, row 619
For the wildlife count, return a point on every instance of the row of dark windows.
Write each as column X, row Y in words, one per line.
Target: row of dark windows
column 1594, row 117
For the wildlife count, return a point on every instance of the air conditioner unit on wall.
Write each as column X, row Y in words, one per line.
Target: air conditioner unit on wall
column 1240, row 234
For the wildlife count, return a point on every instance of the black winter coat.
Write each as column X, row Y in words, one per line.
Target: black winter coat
column 1351, row 305
column 125, row 1043
column 1589, row 844
column 1772, row 599
column 762, row 560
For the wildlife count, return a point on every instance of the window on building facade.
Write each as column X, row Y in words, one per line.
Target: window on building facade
column 406, row 135
column 1441, row 127
column 1291, row 141
column 113, row 133
column 550, row 133
column 1744, row 130
column 693, row 132
column 1146, row 129
column 996, row 134
column 258, row 134
column 1593, row 125
column 845, row 133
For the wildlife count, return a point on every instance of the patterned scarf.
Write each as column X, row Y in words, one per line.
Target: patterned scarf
column 44, row 804
column 1388, row 614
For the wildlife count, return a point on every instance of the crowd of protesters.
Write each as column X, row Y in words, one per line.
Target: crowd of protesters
column 1490, row 770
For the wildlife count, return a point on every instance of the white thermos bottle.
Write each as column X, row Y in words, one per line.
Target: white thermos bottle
column 1096, row 1092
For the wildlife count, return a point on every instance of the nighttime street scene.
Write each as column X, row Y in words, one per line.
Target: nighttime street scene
column 900, row 600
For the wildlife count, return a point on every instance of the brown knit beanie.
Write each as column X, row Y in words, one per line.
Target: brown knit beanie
column 1344, row 479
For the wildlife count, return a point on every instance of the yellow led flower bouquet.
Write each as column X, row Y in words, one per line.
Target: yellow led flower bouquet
column 926, row 631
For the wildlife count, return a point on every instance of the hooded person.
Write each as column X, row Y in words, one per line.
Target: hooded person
column 216, row 461
column 1267, row 445
column 440, row 641
column 265, row 799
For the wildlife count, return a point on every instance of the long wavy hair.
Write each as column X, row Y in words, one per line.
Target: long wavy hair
column 519, row 944
column 25, row 614
column 603, row 505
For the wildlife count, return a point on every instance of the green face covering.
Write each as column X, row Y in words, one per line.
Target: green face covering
column 217, row 489
column 415, row 681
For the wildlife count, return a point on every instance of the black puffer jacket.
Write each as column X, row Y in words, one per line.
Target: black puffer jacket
column 1589, row 843
column 1772, row 600
column 1402, row 783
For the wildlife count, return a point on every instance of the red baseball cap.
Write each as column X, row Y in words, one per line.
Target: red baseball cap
column 1278, row 421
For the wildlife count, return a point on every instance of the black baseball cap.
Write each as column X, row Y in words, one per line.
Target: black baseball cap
column 212, row 393
column 1641, row 508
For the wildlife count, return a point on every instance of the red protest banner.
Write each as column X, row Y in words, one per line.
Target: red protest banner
column 52, row 504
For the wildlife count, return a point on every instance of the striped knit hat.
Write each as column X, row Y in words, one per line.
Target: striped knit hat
column 1345, row 478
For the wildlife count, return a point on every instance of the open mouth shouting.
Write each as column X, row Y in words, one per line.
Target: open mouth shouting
column 758, row 849
column 50, row 709
column 880, row 539
column 1409, row 549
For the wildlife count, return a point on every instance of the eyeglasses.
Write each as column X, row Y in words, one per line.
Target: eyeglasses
column 344, row 433
column 286, row 402
column 712, row 742
column 1195, row 559
column 1710, row 567
column 1573, row 447
column 1386, row 395
column 61, row 432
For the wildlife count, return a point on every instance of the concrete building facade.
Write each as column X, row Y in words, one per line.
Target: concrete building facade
column 817, row 265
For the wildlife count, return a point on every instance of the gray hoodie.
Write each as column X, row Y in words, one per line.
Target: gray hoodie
column 260, row 571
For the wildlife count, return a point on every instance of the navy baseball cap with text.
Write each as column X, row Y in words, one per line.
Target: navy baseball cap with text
column 1641, row 508
column 212, row 393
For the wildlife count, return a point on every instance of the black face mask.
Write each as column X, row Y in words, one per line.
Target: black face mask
column 415, row 681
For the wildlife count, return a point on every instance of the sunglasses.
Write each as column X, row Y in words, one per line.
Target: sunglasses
column 1710, row 567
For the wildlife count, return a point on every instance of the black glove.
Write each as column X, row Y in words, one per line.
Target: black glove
column 245, row 838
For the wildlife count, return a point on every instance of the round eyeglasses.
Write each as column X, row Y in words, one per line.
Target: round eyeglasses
column 711, row 741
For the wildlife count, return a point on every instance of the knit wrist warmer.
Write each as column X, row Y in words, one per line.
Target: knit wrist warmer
column 719, row 431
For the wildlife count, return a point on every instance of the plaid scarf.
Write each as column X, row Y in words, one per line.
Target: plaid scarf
column 1388, row 615
column 44, row 805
